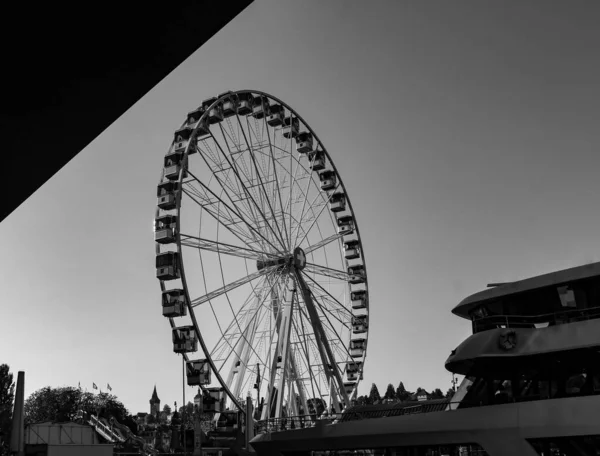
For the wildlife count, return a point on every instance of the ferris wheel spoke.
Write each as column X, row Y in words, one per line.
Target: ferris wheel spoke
column 221, row 247
column 235, row 212
column 311, row 345
column 328, row 272
column 304, row 194
column 231, row 286
column 226, row 182
column 239, row 199
column 277, row 186
column 248, row 193
column 305, row 199
column 320, row 337
column 262, row 185
column 331, row 297
column 259, row 307
column 331, row 326
column 311, row 377
column 324, row 242
column 317, row 216
column 239, row 153
column 220, row 216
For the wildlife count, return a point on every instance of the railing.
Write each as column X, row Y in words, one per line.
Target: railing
column 307, row 421
column 526, row 321
column 290, row 423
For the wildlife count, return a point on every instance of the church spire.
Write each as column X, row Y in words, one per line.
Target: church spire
column 154, row 396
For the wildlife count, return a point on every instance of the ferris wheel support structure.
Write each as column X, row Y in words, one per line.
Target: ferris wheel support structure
column 268, row 265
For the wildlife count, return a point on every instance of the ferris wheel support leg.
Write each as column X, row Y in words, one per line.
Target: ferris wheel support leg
column 247, row 342
column 324, row 350
column 284, row 349
column 276, row 306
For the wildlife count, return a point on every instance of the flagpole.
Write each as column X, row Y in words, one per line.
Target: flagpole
column 184, row 404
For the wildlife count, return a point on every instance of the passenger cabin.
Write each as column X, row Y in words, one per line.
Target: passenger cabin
column 358, row 347
column 167, row 266
column 197, row 372
column 349, row 387
column 345, row 224
column 173, row 303
column 275, row 118
column 316, row 159
column 173, row 163
column 215, row 111
column 356, row 273
column 184, row 339
column 360, row 324
column 194, row 117
column 213, row 401
column 359, row 299
column 354, row 370
column 328, row 180
column 164, row 229
column 291, row 127
column 182, row 138
column 167, row 195
column 229, row 104
column 227, row 424
column 354, row 366
column 352, row 249
column 260, row 107
column 244, row 104
column 337, row 202
column 304, row 142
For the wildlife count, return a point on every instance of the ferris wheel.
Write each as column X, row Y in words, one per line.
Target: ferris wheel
column 260, row 260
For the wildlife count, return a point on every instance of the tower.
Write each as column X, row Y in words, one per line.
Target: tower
column 154, row 404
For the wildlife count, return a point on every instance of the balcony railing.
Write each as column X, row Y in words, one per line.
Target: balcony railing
column 398, row 409
column 532, row 321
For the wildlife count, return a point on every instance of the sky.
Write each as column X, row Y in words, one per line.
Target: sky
column 466, row 134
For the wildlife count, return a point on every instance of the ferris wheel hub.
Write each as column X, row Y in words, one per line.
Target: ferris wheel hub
column 299, row 258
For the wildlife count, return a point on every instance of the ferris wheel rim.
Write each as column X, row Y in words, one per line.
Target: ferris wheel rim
column 186, row 288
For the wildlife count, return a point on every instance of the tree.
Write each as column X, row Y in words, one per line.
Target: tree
column 401, row 393
column 390, row 392
column 7, row 397
column 167, row 409
column 437, row 394
column 450, row 393
column 361, row 400
column 70, row 403
column 374, row 396
column 187, row 416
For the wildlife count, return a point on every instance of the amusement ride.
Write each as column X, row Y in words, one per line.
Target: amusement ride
column 260, row 261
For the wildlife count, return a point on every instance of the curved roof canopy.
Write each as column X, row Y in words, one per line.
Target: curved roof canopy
column 546, row 280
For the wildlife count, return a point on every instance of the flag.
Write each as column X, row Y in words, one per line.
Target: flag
column 94, row 386
column 108, row 387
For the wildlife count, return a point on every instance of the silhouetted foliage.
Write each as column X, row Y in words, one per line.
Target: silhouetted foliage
column 374, row 396
column 437, row 394
column 390, row 392
column 402, row 394
column 7, row 397
column 187, row 415
column 450, row 393
column 69, row 404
